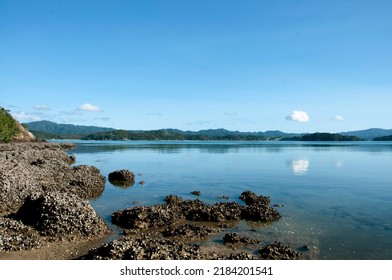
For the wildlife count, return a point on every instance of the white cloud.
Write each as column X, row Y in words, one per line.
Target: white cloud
column 298, row 116
column 90, row 108
column 41, row 107
column 339, row 118
column 24, row 117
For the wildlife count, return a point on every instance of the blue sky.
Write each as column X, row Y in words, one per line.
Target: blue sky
column 248, row 65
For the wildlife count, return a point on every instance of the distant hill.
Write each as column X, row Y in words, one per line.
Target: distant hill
column 369, row 134
column 169, row 134
column 48, row 130
column 176, row 134
column 328, row 137
column 55, row 130
column 383, row 138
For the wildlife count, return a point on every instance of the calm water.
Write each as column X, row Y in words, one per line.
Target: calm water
column 337, row 197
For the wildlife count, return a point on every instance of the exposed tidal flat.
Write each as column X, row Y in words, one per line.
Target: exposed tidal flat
column 333, row 200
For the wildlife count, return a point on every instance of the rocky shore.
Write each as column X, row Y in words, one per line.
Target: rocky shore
column 43, row 199
column 44, row 205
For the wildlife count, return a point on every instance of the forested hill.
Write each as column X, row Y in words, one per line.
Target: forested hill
column 328, row 137
column 47, row 130
column 384, row 138
column 173, row 134
column 11, row 130
column 369, row 134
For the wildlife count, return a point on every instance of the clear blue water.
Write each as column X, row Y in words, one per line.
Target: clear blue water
column 337, row 197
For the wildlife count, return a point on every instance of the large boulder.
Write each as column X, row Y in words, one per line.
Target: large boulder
column 122, row 177
column 60, row 215
column 258, row 208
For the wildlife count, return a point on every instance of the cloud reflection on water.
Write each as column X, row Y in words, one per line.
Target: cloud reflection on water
column 299, row 166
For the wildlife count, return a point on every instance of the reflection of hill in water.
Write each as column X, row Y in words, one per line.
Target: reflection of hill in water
column 225, row 147
column 173, row 147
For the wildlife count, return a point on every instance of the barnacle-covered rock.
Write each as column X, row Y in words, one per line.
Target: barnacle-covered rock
column 60, row 215
column 278, row 251
column 26, row 168
column 15, row 236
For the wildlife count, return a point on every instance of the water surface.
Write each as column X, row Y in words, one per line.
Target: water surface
column 336, row 195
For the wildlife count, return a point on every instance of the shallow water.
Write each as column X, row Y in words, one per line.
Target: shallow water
column 336, row 196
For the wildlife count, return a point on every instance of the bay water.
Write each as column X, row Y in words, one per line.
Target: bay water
column 335, row 198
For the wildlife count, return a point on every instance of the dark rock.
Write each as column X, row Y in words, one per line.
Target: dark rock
column 278, row 205
column 260, row 213
column 251, row 198
column 143, row 217
column 142, row 183
column 122, row 177
column 224, row 197
column 258, row 208
column 173, row 200
column 278, row 251
column 219, row 212
column 197, row 193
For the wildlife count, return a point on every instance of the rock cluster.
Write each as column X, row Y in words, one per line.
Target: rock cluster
column 145, row 247
column 175, row 223
column 175, row 210
column 149, row 247
column 197, row 193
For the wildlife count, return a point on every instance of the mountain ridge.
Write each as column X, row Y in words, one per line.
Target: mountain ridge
column 51, row 130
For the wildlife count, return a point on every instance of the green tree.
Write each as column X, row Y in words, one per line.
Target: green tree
column 8, row 127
